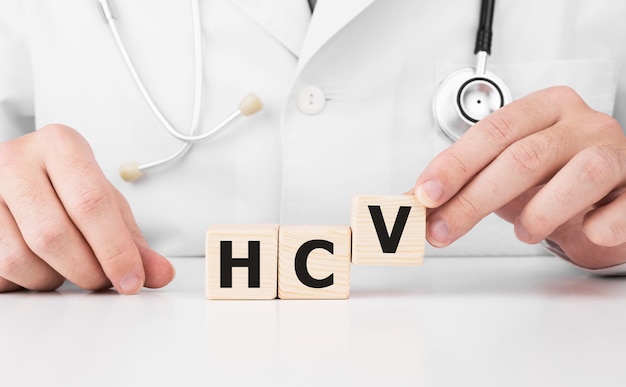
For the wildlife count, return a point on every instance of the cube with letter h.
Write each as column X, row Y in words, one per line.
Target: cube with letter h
column 313, row 262
column 241, row 261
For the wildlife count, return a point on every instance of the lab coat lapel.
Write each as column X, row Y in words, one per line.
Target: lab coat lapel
column 330, row 17
column 286, row 20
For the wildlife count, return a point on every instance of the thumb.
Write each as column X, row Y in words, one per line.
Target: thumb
column 158, row 270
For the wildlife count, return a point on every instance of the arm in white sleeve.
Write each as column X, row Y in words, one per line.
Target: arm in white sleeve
column 16, row 81
column 617, row 270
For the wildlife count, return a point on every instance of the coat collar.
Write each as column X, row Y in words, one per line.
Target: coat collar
column 329, row 18
column 286, row 20
column 290, row 21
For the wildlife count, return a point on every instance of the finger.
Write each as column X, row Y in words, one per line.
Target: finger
column 606, row 225
column 7, row 286
column 511, row 210
column 452, row 169
column 589, row 176
column 19, row 266
column 578, row 248
column 524, row 164
column 50, row 234
column 158, row 270
column 92, row 206
column 42, row 221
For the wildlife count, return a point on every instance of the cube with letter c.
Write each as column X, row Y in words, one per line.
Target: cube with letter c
column 314, row 262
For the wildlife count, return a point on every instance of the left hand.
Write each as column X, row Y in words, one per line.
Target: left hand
column 549, row 164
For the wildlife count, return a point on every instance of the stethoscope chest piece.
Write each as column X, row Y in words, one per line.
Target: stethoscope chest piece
column 465, row 97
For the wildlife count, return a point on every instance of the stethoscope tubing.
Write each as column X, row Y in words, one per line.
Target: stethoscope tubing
column 248, row 106
column 452, row 127
column 197, row 43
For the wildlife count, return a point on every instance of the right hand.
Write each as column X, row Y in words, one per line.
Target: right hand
column 60, row 218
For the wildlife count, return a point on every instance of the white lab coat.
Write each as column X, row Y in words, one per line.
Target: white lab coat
column 376, row 63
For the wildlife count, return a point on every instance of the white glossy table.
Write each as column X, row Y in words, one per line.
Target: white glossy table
column 450, row 322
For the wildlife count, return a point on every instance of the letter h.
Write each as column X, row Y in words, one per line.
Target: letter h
column 227, row 263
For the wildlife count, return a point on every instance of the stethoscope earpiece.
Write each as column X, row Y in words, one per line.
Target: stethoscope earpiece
column 130, row 172
column 249, row 105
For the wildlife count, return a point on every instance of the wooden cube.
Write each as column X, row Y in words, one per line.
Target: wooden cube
column 242, row 261
column 388, row 230
column 314, row 262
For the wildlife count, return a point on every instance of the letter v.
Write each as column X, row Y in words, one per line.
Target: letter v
column 389, row 242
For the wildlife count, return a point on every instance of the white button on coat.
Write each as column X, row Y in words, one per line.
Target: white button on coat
column 311, row 100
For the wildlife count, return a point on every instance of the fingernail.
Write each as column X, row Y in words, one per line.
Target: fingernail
column 438, row 232
column 429, row 192
column 130, row 284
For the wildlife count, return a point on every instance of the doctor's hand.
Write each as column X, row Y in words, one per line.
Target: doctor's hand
column 547, row 163
column 61, row 219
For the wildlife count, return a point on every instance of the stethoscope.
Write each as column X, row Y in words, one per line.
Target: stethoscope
column 249, row 105
column 462, row 99
column 466, row 96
